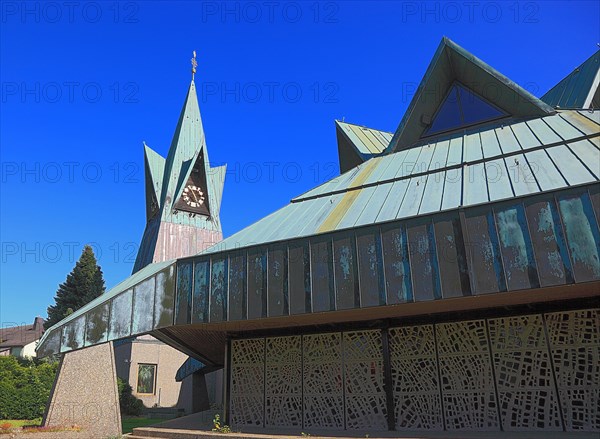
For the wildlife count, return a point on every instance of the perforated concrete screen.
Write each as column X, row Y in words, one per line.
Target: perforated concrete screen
column 526, row 372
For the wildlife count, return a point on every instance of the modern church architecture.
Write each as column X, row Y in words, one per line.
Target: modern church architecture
column 448, row 279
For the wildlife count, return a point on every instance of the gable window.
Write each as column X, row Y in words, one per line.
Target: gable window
column 461, row 107
column 146, row 381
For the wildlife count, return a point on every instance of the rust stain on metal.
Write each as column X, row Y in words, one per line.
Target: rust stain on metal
column 336, row 215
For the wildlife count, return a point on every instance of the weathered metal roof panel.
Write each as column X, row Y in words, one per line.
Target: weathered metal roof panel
column 497, row 162
column 574, row 90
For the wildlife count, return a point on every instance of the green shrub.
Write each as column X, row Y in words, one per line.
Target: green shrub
column 130, row 405
column 25, row 387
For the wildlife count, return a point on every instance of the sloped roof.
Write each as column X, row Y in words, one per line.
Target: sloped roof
column 19, row 336
column 453, row 63
column 357, row 144
column 578, row 88
column 493, row 163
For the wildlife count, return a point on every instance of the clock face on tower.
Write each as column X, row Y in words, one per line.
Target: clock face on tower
column 194, row 196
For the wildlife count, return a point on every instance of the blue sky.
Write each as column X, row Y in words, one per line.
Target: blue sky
column 84, row 83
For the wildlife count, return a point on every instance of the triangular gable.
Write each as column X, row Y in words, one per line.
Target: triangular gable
column 193, row 195
column 452, row 63
column 579, row 89
column 357, row 144
column 154, row 165
column 461, row 108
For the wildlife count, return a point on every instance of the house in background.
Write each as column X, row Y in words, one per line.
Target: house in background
column 20, row 341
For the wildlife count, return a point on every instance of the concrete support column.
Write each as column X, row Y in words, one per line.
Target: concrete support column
column 85, row 392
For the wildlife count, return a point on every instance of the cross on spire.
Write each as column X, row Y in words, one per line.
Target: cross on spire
column 194, row 64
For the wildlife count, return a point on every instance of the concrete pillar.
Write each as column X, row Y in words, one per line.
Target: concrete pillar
column 85, row 392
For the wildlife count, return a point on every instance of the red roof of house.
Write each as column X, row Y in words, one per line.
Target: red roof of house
column 17, row 336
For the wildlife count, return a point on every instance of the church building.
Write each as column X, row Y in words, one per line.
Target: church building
column 448, row 279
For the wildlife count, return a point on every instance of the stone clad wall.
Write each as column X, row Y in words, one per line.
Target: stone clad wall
column 85, row 393
column 532, row 372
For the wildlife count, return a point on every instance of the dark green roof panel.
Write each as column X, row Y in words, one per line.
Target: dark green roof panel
column 577, row 89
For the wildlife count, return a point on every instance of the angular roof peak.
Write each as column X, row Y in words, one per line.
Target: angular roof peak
column 579, row 89
column 450, row 64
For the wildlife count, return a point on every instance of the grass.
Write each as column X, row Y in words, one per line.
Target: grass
column 128, row 424
column 15, row 423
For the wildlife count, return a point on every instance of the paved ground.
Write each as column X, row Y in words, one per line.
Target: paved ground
column 201, row 424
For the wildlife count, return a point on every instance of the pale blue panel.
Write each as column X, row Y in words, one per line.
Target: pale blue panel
column 143, row 306
column 279, row 221
column 594, row 116
column 296, row 212
column 569, row 166
column 409, row 163
column 474, row 185
column 524, row 135
column 377, row 174
column 165, row 298
column 580, row 122
column 562, row 127
column 247, row 236
column 432, row 196
column 440, row 156
column 588, row 154
column 521, row 176
column 361, row 203
column 508, row 141
column 489, row 144
column 395, row 165
column 120, row 316
column 321, row 209
column 455, row 153
column 414, row 195
column 543, row 132
column 472, row 147
column 393, row 200
column 344, row 180
column 422, row 163
column 453, row 188
column 73, row 334
column 377, row 144
column 369, row 214
column 544, row 170
column 498, row 180
column 97, row 325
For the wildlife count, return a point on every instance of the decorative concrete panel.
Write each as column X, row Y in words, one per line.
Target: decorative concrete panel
column 365, row 397
column 524, row 376
column 283, row 390
column 574, row 339
column 322, row 377
column 415, row 378
column 90, row 400
column 248, row 382
column 467, row 383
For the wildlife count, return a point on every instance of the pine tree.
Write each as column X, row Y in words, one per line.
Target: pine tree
column 83, row 284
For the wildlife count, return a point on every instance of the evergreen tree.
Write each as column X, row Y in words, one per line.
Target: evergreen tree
column 83, row 284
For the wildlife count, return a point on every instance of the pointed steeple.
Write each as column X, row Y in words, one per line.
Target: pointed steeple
column 188, row 142
column 187, row 190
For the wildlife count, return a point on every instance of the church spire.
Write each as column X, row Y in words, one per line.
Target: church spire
column 183, row 191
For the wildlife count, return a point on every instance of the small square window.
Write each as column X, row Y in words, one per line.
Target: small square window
column 146, row 379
